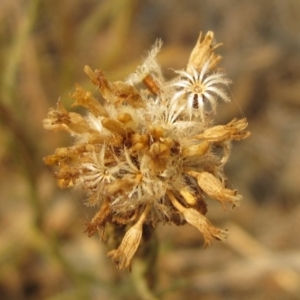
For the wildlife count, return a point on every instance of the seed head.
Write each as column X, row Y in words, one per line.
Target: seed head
column 147, row 155
column 198, row 87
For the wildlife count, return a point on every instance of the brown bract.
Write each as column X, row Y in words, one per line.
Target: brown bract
column 203, row 52
column 144, row 158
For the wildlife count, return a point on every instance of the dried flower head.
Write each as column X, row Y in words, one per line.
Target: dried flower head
column 196, row 88
column 146, row 156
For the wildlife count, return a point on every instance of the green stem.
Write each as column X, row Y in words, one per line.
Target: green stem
column 144, row 271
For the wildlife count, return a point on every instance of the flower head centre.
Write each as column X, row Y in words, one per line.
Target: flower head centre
column 198, row 89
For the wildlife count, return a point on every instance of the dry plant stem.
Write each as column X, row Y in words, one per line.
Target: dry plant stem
column 119, row 13
column 95, row 20
column 26, row 146
column 25, row 154
column 144, row 273
column 16, row 51
column 140, row 280
column 121, row 25
column 21, row 139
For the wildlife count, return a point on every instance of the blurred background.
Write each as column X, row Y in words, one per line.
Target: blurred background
column 44, row 46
